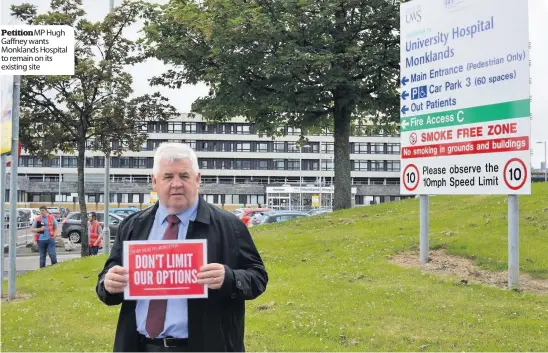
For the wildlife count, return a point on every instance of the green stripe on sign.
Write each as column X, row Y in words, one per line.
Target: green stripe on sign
column 483, row 113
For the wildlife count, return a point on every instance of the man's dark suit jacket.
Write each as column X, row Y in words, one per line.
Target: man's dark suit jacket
column 217, row 323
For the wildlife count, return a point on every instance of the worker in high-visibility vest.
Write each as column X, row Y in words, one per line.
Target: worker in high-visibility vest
column 45, row 228
column 95, row 234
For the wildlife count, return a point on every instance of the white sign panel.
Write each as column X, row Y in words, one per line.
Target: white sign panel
column 304, row 189
column 36, row 50
column 465, row 97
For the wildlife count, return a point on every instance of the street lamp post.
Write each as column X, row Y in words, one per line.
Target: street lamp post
column 301, row 177
column 545, row 162
column 320, row 168
column 60, row 179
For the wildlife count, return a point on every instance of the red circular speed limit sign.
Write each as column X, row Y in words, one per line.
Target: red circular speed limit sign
column 411, row 177
column 515, row 174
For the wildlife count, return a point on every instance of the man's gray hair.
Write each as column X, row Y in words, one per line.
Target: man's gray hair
column 172, row 151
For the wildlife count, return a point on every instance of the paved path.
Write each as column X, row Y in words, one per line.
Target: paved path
column 26, row 260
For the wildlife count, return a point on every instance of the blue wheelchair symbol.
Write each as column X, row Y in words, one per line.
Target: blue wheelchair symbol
column 419, row 92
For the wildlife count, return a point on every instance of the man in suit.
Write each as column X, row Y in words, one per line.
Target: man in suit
column 235, row 273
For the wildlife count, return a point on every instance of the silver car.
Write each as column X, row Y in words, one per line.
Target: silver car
column 71, row 226
column 275, row 217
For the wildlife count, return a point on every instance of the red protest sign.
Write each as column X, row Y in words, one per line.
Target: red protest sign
column 164, row 269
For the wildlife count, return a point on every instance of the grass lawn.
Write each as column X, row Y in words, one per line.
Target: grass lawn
column 332, row 287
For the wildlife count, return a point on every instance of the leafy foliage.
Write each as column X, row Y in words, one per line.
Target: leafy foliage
column 95, row 105
column 305, row 63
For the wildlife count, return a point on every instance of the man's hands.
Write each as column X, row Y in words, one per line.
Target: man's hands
column 115, row 282
column 212, row 274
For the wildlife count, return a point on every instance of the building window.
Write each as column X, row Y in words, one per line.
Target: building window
column 393, row 148
column 124, row 162
column 69, row 162
column 243, row 164
column 310, row 165
column 360, row 166
column 140, row 162
column 279, row 147
column 47, row 162
column 293, row 164
column 327, row 164
column 157, row 127
column 206, row 146
column 224, row 164
column 293, row 131
column 226, row 129
column 279, row 164
column 203, row 164
column 152, row 145
column 377, row 148
column 224, row 146
column 99, row 162
column 191, row 143
column 360, row 147
column 90, row 162
column 292, row 147
column 377, row 166
column 262, row 165
column 208, row 128
column 393, row 166
column 243, row 147
column 175, row 127
column 327, row 147
column 262, row 147
column 242, row 129
column 191, row 128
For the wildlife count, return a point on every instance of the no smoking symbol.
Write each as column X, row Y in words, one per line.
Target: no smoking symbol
column 411, row 177
column 515, row 174
column 413, row 138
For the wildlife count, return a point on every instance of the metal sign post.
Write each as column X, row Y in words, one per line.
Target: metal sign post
column 2, row 217
column 13, row 186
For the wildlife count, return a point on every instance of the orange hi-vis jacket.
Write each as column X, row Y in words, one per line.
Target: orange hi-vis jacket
column 94, row 233
column 50, row 219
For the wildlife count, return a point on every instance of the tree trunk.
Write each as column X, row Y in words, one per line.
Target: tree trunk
column 343, row 181
column 82, row 198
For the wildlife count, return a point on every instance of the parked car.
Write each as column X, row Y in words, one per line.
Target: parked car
column 56, row 212
column 32, row 214
column 249, row 213
column 275, row 217
column 316, row 211
column 22, row 218
column 71, row 227
column 238, row 212
column 123, row 212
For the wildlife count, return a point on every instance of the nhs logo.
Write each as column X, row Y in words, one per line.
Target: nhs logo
column 414, row 14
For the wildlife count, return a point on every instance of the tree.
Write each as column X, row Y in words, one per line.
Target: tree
column 305, row 63
column 94, row 106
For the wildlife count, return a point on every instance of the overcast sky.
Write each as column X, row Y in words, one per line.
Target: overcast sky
column 183, row 98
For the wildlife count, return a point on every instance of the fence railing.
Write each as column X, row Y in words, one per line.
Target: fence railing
column 24, row 235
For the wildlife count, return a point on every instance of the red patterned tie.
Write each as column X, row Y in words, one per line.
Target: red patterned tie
column 157, row 308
